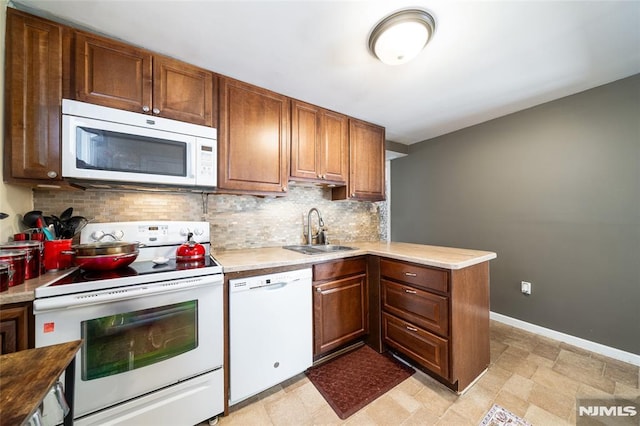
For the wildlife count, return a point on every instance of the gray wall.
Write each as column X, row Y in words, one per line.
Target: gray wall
column 555, row 191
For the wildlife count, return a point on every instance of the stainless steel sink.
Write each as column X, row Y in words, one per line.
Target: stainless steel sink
column 318, row 248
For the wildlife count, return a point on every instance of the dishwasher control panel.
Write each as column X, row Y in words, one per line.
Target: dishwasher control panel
column 259, row 281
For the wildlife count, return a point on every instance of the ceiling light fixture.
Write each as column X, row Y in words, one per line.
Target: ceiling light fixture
column 401, row 36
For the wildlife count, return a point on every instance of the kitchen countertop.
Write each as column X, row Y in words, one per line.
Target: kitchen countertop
column 273, row 257
column 437, row 256
column 24, row 292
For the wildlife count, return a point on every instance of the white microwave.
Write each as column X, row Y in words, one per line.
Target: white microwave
column 107, row 144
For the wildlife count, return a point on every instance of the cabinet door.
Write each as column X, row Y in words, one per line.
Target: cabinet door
column 14, row 328
column 253, row 139
column 425, row 277
column 319, row 144
column 112, row 74
column 426, row 348
column 366, row 163
column 339, row 313
column 305, row 140
column 182, row 91
column 33, row 83
column 427, row 310
column 334, row 147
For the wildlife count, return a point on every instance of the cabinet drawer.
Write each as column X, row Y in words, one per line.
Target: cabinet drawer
column 419, row 307
column 339, row 268
column 429, row 350
column 417, row 275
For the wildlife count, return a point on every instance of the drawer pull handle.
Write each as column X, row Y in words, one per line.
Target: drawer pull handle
column 412, row 329
column 410, row 274
column 406, row 290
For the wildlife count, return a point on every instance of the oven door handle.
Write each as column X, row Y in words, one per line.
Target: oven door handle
column 117, row 294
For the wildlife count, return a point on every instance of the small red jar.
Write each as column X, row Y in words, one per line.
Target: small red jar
column 17, row 260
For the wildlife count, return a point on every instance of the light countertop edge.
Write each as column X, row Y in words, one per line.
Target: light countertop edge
column 25, row 292
column 274, row 257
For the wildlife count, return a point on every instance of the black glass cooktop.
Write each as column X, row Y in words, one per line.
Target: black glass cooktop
column 143, row 268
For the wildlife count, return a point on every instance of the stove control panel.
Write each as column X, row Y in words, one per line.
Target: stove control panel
column 149, row 233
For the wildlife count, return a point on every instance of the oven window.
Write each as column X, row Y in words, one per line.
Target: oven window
column 113, row 151
column 118, row 343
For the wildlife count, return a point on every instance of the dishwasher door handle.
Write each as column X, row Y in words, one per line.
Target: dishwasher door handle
column 275, row 286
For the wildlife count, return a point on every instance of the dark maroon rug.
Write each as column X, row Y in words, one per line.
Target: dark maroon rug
column 353, row 380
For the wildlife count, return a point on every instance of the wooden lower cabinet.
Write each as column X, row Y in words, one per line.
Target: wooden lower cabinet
column 426, row 348
column 16, row 327
column 340, row 304
column 437, row 318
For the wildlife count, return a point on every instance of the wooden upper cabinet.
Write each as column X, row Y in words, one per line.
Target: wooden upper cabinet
column 33, row 91
column 112, row 74
column 121, row 76
column 253, row 139
column 319, row 144
column 182, row 91
column 366, row 163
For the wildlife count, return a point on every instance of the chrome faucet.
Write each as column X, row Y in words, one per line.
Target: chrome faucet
column 309, row 230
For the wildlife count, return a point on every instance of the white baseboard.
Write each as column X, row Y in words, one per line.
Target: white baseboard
column 618, row 354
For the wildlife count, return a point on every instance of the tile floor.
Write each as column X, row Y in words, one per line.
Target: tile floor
column 534, row 377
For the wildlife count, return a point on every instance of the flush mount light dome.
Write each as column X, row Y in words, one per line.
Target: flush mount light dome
column 401, row 36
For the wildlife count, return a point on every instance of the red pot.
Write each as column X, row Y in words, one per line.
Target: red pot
column 190, row 251
column 105, row 262
column 104, row 256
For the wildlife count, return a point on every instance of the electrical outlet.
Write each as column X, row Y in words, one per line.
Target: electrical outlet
column 525, row 287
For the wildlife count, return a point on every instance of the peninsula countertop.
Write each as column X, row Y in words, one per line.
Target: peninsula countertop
column 272, row 257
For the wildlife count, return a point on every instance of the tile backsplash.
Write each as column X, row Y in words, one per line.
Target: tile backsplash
column 237, row 221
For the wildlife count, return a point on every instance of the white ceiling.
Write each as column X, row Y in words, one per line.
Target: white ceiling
column 486, row 59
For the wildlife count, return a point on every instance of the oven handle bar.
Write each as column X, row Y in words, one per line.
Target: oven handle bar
column 122, row 293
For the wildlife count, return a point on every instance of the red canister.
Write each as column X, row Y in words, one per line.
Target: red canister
column 17, row 260
column 34, row 256
column 4, row 276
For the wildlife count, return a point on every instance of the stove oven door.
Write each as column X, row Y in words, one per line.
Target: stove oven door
column 136, row 339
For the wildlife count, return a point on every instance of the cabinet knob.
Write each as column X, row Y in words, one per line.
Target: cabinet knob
column 156, row 111
column 52, row 174
column 410, row 274
column 318, row 289
column 145, row 108
column 284, row 189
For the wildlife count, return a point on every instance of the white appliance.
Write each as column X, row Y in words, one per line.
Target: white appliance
column 107, row 144
column 152, row 332
column 270, row 331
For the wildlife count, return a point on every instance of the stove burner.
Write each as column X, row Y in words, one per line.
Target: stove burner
column 92, row 275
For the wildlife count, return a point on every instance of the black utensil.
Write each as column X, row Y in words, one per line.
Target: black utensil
column 74, row 225
column 30, row 218
column 55, row 221
column 66, row 215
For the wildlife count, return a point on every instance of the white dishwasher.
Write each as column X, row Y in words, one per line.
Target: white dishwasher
column 270, row 331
